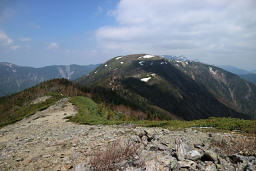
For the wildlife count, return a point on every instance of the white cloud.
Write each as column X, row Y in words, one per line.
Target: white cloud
column 6, row 42
column 53, row 45
column 190, row 27
column 25, row 39
column 4, row 39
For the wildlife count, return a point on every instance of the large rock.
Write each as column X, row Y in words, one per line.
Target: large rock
column 157, row 146
column 182, row 149
column 194, row 155
column 210, row 155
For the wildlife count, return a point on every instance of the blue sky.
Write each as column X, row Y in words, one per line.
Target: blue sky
column 46, row 32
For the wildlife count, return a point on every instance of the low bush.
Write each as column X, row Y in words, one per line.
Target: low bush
column 115, row 152
column 245, row 145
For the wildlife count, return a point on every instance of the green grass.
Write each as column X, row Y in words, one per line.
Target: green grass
column 92, row 113
column 29, row 109
column 227, row 124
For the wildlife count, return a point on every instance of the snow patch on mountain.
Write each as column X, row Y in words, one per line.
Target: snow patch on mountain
column 146, row 56
column 141, row 63
column 163, row 63
column 145, row 79
column 119, row 57
column 9, row 65
column 212, row 71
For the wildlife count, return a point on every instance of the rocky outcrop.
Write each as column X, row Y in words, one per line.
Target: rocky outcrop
column 45, row 141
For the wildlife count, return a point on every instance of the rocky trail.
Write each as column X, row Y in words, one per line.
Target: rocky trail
column 45, row 141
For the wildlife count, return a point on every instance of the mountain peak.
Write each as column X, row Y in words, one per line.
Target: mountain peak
column 157, row 84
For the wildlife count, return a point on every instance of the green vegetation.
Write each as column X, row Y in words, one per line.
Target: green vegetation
column 92, row 113
column 227, row 124
column 18, row 106
column 29, row 109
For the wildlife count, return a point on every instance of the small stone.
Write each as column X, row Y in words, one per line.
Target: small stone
column 135, row 138
column 46, row 156
column 187, row 164
column 165, row 132
column 68, row 166
column 28, row 161
column 82, row 167
column 27, row 151
column 133, row 169
column 194, row 155
column 211, row 167
column 152, row 165
column 199, row 145
column 144, row 140
column 168, row 161
column 19, row 159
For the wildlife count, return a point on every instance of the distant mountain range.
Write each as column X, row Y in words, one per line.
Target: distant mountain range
column 246, row 75
column 169, row 87
column 142, row 86
column 14, row 78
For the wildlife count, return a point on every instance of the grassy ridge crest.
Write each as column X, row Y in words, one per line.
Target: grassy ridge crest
column 92, row 113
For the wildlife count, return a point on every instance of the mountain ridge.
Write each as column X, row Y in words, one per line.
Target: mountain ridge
column 139, row 74
column 16, row 78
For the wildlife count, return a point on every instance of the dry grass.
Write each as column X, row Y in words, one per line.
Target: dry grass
column 245, row 145
column 116, row 152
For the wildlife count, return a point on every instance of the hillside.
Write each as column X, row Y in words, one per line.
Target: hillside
column 15, row 78
column 157, row 87
column 228, row 88
column 249, row 77
column 23, row 104
column 244, row 74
